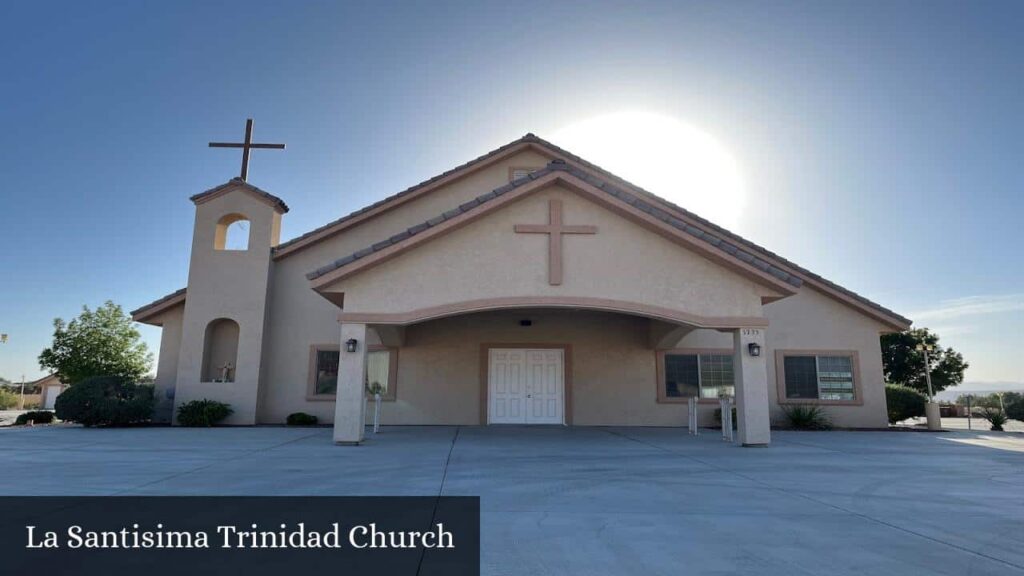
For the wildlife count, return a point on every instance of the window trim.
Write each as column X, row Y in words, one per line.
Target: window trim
column 780, row 377
column 311, row 394
column 311, row 378
column 512, row 170
column 661, row 397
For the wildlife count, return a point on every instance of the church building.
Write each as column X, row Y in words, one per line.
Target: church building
column 527, row 286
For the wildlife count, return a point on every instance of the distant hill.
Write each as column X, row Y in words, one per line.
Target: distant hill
column 979, row 389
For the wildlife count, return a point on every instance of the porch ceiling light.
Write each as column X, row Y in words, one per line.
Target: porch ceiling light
column 754, row 349
column 351, row 344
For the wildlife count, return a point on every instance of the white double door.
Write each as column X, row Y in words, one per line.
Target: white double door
column 526, row 386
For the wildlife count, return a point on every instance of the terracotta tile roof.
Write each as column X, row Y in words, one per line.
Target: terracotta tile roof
column 270, row 198
column 727, row 241
column 608, row 187
column 143, row 310
column 722, row 232
column 407, row 191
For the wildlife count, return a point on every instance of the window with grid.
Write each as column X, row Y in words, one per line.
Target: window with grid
column 819, row 377
column 697, row 375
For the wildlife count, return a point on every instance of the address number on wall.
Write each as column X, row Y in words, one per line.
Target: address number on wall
column 751, row 332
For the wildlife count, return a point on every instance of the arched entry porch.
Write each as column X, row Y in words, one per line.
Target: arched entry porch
column 572, row 361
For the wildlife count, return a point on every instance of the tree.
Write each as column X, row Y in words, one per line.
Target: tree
column 903, row 364
column 1014, row 403
column 98, row 343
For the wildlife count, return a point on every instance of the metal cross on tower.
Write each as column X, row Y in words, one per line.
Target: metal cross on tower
column 246, row 147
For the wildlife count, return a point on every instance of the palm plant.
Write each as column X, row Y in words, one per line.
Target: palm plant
column 807, row 417
column 995, row 417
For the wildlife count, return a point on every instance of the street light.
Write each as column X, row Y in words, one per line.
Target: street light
column 931, row 409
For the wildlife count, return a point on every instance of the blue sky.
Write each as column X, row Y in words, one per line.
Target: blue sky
column 879, row 143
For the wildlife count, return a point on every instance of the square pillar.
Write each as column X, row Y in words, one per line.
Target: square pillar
column 751, row 378
column 350, row 403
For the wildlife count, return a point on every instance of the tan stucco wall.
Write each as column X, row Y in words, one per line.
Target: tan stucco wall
column 488, row 259
column 167, row 364
column 439, row 366
column 439, row 378
column 299, row 317
column 227, row 284
column 812, row 321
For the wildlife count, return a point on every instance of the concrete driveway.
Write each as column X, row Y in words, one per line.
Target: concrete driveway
column 592, row 501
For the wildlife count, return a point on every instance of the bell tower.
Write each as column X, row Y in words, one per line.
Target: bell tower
column 236, row 226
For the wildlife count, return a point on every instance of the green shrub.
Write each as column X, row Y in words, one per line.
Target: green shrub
column 806, row 417
column 37, row 417
column 301, row 419
column 202, row 413
column 106, row 401
column 8, row 399
column 996, row 418
column 903, row 402
column 1015, row 407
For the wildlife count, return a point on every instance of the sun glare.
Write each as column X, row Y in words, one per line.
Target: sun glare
column 665, row 156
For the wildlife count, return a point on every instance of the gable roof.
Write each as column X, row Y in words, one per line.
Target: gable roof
column 262, row 195
column 850, row 297
column 145, row 314
column 334, row 227
column 726, row 250
column 533, row 142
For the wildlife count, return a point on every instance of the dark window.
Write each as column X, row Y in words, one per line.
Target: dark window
column 326, row 371
column 682, row 375
column 819, row 377
column 801, row 377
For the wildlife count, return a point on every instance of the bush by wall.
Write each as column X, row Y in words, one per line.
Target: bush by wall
column 903, row 402
column 106, row 401
column 301, row 419
column 202, row 413
column 37, row 417
column 806, row 417
column 8, row 399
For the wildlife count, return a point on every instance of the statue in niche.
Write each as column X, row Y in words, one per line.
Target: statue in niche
column 225, row 372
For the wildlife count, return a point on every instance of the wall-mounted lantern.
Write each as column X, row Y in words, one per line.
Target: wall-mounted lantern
column 754, row 349
column 351, row 344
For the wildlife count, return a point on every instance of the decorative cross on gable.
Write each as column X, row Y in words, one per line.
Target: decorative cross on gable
column 554, row 229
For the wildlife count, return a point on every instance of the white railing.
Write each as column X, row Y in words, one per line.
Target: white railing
column 691, row 405
column 725, row 405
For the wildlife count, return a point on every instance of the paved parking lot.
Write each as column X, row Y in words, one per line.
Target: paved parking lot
column 603, row 500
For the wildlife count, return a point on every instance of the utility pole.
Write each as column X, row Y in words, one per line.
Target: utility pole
column 931, row 409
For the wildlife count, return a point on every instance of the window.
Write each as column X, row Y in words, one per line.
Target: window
column 232, row 233
column 817, row 376
column 381, row 368
column 325, row 371
column 517, row 172
column 684, row 374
